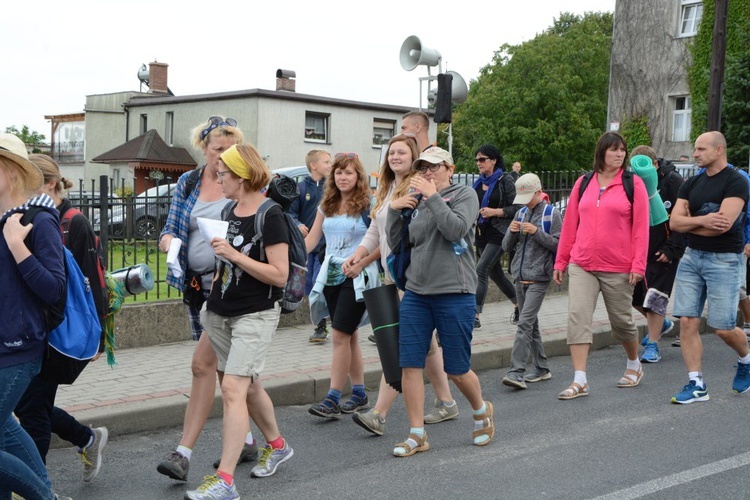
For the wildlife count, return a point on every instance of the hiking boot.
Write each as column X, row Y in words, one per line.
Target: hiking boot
column 690, row 394
column 514, row 316
column 741, row 381
column 514, row 380
column 355, row 403
column 477, row 324
column 372, row 420
column 249, row 453
column 91, row 456
column 676, row 341
column 651, row 353
column 175, row 465
column 327, row 409
column 213, row 488
column 537, row 376
column 441, row 413
column 270, row 459
column 320, row 334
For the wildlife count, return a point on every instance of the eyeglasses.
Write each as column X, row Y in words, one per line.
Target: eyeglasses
column 432, row 167
column 346, row 155
column 217, row 121
column 482, row 159
column 220, row 173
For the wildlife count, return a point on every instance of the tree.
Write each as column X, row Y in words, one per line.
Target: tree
column 736, row 108
column 26, row 135
column 543, row 102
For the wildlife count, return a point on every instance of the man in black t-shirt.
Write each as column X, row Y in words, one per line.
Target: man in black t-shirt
column 710, row 209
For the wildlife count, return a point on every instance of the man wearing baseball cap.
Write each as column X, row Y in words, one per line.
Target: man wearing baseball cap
column 534, row 233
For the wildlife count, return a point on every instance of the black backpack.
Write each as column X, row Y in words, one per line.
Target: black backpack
column 627, row 184
column 294, row 290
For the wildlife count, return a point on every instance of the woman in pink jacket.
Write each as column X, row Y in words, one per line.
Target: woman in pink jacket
column 603, row 245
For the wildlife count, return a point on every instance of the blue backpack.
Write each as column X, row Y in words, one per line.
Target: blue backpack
column 73, row 324
column 546, row 217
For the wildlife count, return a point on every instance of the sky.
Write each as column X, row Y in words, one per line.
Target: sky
column 60, row 52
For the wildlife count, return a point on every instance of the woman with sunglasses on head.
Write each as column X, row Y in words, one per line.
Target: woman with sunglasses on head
column 241, row 316
column 196, row 196
column 393, row 183
column 496, row 192
column 31, row 263
column 343, row 217
column 438, row 296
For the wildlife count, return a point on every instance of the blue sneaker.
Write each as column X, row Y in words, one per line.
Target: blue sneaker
column 645, row 340
column 691, row 393
column 651, row 354
column 667, row 326
column 741, row 381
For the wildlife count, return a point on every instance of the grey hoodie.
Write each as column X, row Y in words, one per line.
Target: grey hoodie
column 535, row 255
column 445, row 217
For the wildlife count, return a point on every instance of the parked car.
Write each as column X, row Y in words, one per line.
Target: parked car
column 88, row 203
column 150, row 209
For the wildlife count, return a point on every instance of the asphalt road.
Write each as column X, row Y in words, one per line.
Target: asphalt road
column 613, row 444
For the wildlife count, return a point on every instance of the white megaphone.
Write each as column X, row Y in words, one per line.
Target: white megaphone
column 413, row 54
column 459, row 90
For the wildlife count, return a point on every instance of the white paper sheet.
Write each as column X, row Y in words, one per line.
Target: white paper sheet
column 173, row 257
column 211, row 228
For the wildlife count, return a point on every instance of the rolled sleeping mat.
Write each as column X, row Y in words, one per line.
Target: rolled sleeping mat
column 644, row 168
column 135, row 279
column 382, row 307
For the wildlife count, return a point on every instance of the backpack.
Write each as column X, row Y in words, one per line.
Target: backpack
column 294, row 290
column 627, row 184
column 546, row 217
column 73, row 323
column 101, row 271
column 400, row 257
column 191, row 181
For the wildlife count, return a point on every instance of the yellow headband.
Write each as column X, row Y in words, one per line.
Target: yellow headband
column 231, row 157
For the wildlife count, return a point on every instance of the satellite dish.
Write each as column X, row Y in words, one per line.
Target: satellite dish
column 459, row 89
column 413, row 54
column 143, row 74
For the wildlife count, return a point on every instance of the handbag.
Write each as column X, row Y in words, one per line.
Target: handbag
column 400, row 257
column 193, row 295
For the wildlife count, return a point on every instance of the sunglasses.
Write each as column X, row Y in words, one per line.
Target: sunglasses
column 217, row 121
column 432, row 167
column 482, row 159
column 346, row 155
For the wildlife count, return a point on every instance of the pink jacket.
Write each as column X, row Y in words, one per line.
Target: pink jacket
column 605, row 233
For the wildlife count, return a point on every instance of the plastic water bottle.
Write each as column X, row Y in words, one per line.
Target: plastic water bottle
column 459, row 247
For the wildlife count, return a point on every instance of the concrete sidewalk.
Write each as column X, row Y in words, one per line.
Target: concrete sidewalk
column 149, row 386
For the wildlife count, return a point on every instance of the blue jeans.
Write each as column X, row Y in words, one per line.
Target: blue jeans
column 21, row 467
column 451, row 314
column 711, row 276
column 313, row 268
column 488, row 267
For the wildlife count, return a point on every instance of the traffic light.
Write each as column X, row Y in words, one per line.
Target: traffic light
column 443, row 101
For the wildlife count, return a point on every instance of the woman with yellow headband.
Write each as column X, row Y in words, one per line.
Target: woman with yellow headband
column 199, row 196
column 241, row 315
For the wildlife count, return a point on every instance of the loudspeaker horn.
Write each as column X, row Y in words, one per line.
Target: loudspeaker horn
column 413, row 54
column 459, row 89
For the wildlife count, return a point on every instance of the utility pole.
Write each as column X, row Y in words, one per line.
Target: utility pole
column 718, row 55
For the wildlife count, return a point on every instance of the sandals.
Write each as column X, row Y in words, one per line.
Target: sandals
column 422, row 445
column 627, row 381
column 575, row 390
column 489, row 425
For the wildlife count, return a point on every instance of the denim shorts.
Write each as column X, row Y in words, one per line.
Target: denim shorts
column 452, row 315
column 711, row 276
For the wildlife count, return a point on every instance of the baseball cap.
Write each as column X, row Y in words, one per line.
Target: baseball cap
column 433, row 155
column 526, row 186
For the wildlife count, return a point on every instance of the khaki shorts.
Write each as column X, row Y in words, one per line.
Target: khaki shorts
column 583, row 291
column 241, row 343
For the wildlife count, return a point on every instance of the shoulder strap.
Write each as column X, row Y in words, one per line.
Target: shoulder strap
column 227, row 208
column 522, row 213
column 65, row 222
column 260, row 220
column 584, row 183
column 547, row 218
column 627, row 184
column 191, row 181
column 29, row 215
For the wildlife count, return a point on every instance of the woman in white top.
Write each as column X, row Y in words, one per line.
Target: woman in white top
column 394, row 183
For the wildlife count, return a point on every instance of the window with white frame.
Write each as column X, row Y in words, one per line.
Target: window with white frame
column 681, row 122
column 316, row 127
column 690, row 17
column 382, row 132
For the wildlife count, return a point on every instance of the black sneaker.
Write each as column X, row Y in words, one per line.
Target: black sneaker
column 249, row 453
column 514, row 316
column 175, row 465
column 355, row 403
column 326, row 409
column 371, row 338
column 320, row 334
column 477, row 324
